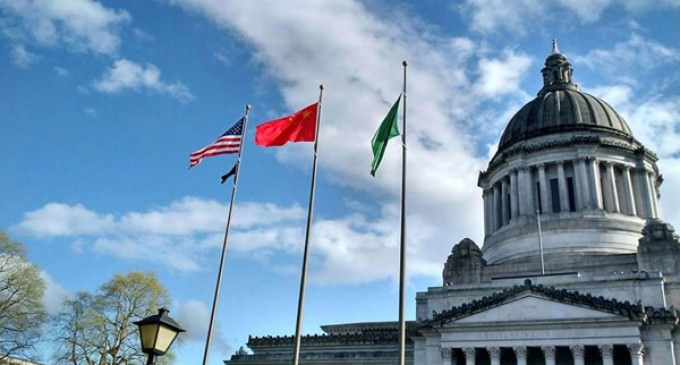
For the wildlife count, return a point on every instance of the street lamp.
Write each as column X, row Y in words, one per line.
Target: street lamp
column 157, row 333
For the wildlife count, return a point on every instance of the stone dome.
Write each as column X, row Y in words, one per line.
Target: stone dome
column 570, row 162
column 562, row 107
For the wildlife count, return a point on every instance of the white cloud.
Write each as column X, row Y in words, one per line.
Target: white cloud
column 193, row 215
column 194, row 315
column 629, row 59
column 22, row 57
column 60, row 71
column 90, row 112
column 56, row 219
column 358, row 58
column 142, row 35
column 55, row 294
column 125, row 74
column 502, row 76
column 80, row 25
column 492, row 15
column 518, row 16
column 586, row 10
column 179, row 235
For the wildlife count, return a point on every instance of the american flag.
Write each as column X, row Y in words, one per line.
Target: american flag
column 229, row 142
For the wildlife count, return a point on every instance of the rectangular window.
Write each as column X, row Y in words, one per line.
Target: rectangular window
column 570, row 193
column 555, row 194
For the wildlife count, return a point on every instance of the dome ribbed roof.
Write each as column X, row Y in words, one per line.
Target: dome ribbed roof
column 561, row 107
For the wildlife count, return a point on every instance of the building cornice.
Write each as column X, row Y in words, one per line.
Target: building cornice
column 635, row 312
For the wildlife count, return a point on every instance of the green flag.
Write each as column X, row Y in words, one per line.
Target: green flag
column 388, row 129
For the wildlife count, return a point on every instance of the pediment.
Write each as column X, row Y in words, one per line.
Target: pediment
column 535, row 308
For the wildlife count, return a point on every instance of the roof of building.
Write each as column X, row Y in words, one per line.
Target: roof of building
column 351, row 333
column 562, row 107
column 632, row 311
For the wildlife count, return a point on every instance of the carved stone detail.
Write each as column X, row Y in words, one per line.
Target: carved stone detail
column 446, row 353
column 606, row 350
column 494, row 352
column 548, row 351
column 464, row 265
column 636, row 349
column 633, row 311
column 577, row 350
column 520, row 351
column 469, row 352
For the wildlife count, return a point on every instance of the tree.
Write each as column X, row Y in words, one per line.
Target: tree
column 22, row 312
column 97, row 329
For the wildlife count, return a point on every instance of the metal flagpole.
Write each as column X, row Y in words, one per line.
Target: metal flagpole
column 402, row 250
column 540, row 241
column 310, row 212
column 226, row 239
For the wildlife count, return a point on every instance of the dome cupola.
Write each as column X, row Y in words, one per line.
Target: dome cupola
column 569, row 159
column 557, row 71
column 561, row 106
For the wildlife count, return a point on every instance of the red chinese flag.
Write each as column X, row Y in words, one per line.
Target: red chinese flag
column 297, row 127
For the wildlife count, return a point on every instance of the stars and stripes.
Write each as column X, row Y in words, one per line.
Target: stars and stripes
column 229, row 142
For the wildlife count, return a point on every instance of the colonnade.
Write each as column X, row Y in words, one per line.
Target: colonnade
column 636, row 351
column 585, row 183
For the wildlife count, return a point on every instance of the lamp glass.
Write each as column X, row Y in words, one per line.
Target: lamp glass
column 165, row 337
column 148, row 334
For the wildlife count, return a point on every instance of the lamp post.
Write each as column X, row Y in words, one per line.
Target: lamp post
column 157, row 333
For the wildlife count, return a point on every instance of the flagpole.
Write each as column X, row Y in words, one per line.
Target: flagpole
column 308, row 233
column 402, row 249
column 218, row 284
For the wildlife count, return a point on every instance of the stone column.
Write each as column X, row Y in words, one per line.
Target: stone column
column 646, row 205
column 607, row 352
column 487, row 226
column 549, row 354
column 521, row 354
column 446, row 356
column 496, row 206
column 636, row 353
column 526, row 203
column 655, row 195
column 495, row 355
column 505, row 202
column 583, row 200
column 638, row 192
column 577, row 353
column 469, row 355
column 595, row 185
column 543, row 184
column 611, row 196
column 514, row 194
column 562, row 183
column 629, row 194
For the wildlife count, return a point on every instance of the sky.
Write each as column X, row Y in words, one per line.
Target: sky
column 102, row 102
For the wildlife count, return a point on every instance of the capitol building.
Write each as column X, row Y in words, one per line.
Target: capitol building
column 577, row 265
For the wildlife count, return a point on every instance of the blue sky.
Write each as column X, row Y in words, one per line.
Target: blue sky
column 104, row 100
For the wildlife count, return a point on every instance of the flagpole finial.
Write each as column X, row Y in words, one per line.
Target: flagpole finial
column 555, row 49
column 248, row 107
column 404, row 63
column 321, row 87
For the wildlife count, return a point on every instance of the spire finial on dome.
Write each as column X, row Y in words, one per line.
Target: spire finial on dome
column 554, row 46
column 557, row 71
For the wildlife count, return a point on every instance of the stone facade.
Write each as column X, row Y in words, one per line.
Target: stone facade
column 356, row 343
column 577, row 265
